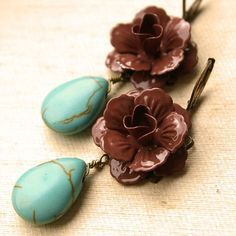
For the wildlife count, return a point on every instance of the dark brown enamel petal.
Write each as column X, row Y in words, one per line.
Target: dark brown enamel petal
column 119, row 62
column 172, row 131
column 140, row 125
column 123, row 174
column 147, row 22
column 143, row 80
column 118, row 146
column 151, row 45
column 149, row 159
column 167, row 62
column 158, row 29
column 149, row 33
column 147, row 138
column 112, row 62
column 135, row 131
column 190, row 58
column 174, row 164
column 123, row 40
column 98, row 132
column 134, row 93
column 140, row 36
column 162, row 16
column 139, row 116
column 180, row 110
column 115, row 111
column 176, row 34
column 133, row 62
column 159, row 103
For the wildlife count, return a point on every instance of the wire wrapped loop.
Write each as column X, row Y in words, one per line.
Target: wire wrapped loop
column 98, row 164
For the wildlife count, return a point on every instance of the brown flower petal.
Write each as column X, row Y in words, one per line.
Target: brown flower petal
column 141, row 125
column 139, row 116
column 148, row 159
column 118, row 146
column 98, row 132
column 137, row 123
column 174, row 164
column 135, row 131
column 145, row 27
column 180, row 110
column 162, row 16
column 167, row 62
column 147, row 138
column 123, row 40
column 172, row 132
column 159, row 103
column 149, row 33
column 112, row 62
column 190, row 58
column 143, row 80
column 116, row 109
column 134, row 93
column 123, row 174
column 176, row 34
column 133, row 62
column 151, row 45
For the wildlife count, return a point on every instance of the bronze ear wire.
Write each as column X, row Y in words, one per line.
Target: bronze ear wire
column 193, row 11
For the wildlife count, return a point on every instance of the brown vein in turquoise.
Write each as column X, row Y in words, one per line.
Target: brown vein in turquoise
column 68, row 173
column 88, row 106
column 34, row 217
column 18, row 186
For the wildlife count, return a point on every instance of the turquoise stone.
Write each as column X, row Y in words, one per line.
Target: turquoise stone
column 75, row 105
column 45, row 192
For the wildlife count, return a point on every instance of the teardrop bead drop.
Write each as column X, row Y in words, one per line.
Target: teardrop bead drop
column 46, row 192
column 75, row 105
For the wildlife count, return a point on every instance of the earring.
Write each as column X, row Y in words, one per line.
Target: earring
column 143, row 134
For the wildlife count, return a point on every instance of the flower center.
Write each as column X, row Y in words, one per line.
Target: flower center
column 141, row 125
column 149, row 33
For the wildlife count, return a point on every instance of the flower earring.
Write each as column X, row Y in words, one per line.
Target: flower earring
column 143, row 134
column 154, row 48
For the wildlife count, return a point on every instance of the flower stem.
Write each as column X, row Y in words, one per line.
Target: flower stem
column 200, row 84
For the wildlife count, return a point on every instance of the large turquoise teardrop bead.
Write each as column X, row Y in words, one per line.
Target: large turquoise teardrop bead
column 75, row 105
column 45, row 192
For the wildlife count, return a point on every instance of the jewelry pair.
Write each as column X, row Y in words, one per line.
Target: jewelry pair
column 143, row 133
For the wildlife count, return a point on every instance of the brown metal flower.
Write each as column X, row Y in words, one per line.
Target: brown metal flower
column 143, row 132
column 154, row 47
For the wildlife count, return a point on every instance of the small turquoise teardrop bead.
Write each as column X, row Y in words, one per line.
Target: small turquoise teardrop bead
column 75, row 105
column 45, row 192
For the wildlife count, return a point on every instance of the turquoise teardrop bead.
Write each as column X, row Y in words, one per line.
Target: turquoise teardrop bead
column 45, row 192
column 75, row 105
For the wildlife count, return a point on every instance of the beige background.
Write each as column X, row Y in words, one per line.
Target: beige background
column 47, row 42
